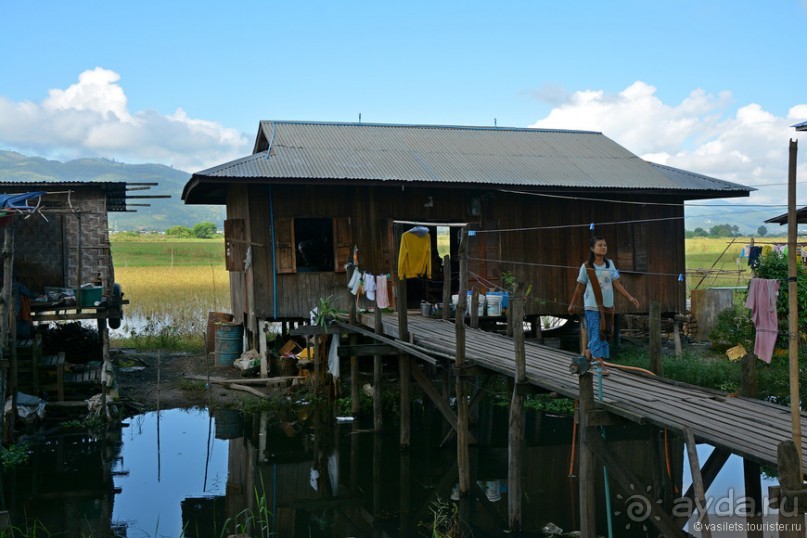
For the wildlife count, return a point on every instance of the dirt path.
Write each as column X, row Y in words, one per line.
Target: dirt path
column 152, row 379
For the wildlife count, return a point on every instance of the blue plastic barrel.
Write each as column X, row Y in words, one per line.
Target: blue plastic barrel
column 229, row 343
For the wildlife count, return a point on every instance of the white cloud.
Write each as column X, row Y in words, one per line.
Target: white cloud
column 91, row 118
column 703, row 134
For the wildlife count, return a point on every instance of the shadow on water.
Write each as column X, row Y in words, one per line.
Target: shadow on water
column 186, row 473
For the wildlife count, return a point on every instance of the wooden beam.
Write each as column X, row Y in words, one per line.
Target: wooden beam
column 439, row 402
column 405, row 347
column 697, row 482
column 368, row 350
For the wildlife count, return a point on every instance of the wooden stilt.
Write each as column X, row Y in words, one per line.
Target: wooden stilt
column 378, row 421
column 677, row 339
column 791, row 484
column 748, row 376
column 404, row 367
column 515, row 445
column 355, row 403
column 446, row 287
column 404, row 495
column 462, row 400
column 586, row 465
column 654, row 327
column 403, row 326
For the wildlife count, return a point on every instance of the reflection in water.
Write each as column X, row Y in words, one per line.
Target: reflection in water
column 311, row 477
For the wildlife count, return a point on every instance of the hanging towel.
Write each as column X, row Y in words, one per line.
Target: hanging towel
column 369, row 286
column 381, row 296
column 353, row 279
column 415, row 256
column 333, row 357
column 354, row 289
column 762, row 294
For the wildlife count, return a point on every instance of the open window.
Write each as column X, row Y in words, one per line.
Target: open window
column 312, row 244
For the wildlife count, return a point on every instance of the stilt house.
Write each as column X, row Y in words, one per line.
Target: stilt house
column 313, row 193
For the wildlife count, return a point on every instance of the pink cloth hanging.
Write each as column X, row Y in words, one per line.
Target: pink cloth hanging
column 762, row 294
column 381, row 296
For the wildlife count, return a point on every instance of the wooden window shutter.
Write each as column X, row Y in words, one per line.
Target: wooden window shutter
column 284, row 245
column 234, row 244
column 342, row 244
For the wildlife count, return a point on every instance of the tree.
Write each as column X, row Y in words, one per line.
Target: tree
column 204, row 230
column 724, row 230
column 700, row 232
column 179, row 231
column 762, row 231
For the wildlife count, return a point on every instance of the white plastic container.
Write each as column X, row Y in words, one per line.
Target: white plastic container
column 480, row 311
column 494, row 303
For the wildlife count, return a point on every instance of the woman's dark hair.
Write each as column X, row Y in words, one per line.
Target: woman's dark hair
column 591, row 243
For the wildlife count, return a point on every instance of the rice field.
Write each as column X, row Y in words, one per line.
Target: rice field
column 713, row 254
column 171, row 286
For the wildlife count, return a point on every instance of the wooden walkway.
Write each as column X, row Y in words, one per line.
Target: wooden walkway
column 747, row 427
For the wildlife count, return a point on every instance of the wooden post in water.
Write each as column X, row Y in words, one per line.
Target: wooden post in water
column 378, row 421
column 751, row 469
column 354, row 362
column 404, row 367
column 587, row 463
column 446, row 287
column 654, row 328
column 6, row 323
column 791, row 513
column 515, row 446
column 793, row 303
column 403, row 325
column 463, row 462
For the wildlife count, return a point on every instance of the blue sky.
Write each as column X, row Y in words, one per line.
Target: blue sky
column 709, row 86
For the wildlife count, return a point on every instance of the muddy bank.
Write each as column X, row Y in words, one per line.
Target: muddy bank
column 148, row 380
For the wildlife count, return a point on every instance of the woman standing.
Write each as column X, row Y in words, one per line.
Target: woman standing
column 608, row 279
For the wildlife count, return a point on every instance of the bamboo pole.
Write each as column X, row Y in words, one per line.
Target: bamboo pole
column 463, row 462
column 515, row 445
column 793, row 307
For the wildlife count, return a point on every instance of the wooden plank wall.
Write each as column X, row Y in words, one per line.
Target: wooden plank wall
column 549, row 242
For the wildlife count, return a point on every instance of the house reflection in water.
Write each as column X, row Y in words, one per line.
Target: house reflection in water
column 326, row 479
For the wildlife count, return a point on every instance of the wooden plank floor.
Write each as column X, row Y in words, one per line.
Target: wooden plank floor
column 747, row 427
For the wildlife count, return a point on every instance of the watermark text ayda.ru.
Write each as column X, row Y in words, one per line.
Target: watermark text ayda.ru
column 638, row 507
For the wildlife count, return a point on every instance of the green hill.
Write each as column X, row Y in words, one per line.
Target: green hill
column 162, row 214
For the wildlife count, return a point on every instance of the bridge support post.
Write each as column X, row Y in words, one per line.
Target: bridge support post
column 405, row 370
column 587, row 464
column 463, row 462
column 515, row 446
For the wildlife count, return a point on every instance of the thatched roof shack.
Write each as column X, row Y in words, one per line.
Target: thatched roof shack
column 531, row 194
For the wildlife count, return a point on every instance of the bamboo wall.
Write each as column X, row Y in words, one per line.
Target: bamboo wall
column 47, row 251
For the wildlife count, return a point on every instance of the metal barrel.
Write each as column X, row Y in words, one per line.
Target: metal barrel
column 229, row 342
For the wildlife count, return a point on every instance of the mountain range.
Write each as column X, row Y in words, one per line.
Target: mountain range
column 160, row 215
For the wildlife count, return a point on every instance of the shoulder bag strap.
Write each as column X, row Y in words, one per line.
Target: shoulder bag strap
column 595, row 285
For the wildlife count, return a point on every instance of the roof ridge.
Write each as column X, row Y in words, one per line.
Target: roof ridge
column 429, row 126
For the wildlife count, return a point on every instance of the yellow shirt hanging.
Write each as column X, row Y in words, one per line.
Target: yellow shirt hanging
column 415, row 256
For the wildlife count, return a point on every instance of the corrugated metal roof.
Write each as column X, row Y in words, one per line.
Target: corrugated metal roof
column 801, row 126
column 451, row 154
